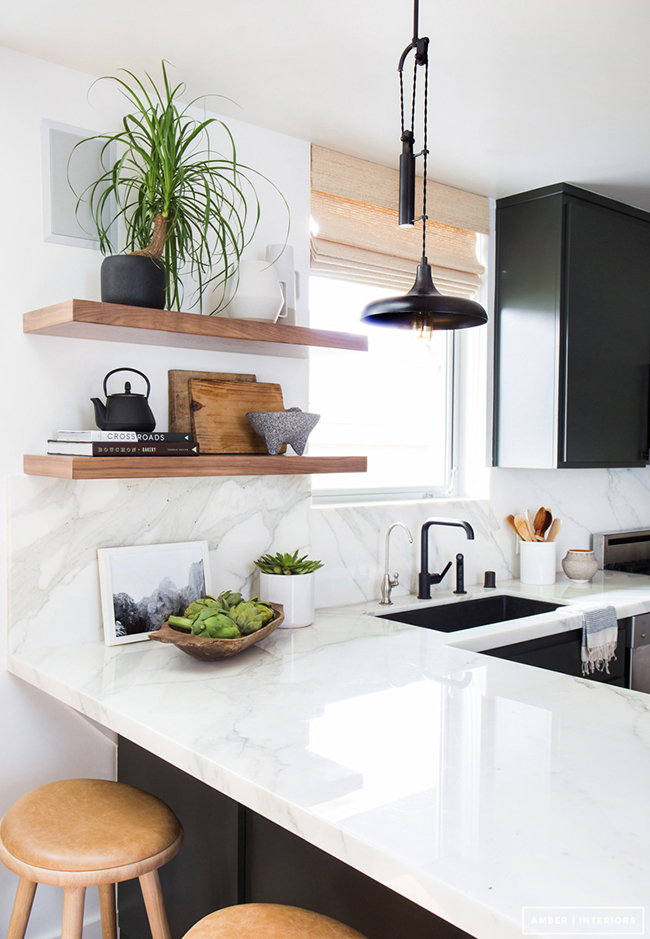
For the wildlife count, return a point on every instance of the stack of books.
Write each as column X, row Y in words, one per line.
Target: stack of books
column 121, row 443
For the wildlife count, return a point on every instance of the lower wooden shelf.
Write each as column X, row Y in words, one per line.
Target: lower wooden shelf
column 148, row 467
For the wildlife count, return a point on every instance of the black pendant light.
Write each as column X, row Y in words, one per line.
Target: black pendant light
column 423, row 308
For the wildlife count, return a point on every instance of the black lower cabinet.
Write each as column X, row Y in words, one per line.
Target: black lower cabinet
column 203, row 876
column 282, row 868
column 232, row 855
column 563, row 653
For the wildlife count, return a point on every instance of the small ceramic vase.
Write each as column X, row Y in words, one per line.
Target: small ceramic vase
column 258, row 293
column 580, row 565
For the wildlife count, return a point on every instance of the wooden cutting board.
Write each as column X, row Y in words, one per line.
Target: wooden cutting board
column 180, row 415
column 219, row 412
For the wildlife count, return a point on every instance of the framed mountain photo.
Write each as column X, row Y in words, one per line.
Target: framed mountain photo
column 143, row 585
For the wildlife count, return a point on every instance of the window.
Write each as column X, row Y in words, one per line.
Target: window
column 399, row 403
column 392, row 404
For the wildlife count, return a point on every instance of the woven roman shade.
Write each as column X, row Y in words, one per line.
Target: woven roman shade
column 355, row 205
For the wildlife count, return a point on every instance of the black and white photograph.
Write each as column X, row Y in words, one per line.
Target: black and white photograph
column 143, row 585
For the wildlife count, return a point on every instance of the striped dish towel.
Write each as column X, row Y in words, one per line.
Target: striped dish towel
column 599, row 638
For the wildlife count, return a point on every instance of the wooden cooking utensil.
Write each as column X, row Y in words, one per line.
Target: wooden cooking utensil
column 554, row 530
column 521, row 528
column 540, row 518
column 510, row 519
column 531, row 530
column 548, row 518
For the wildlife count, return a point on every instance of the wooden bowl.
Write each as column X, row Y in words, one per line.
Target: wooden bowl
column 211, row 650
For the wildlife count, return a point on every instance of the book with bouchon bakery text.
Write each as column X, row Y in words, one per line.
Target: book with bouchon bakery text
column 127, row 448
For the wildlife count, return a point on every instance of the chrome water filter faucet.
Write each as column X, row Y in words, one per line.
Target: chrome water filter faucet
column 387, row 584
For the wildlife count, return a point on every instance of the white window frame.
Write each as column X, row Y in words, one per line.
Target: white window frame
column 462, row 482
column 360, row 496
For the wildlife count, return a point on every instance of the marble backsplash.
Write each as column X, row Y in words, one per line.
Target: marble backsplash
column 56, row 526
column 351, row 540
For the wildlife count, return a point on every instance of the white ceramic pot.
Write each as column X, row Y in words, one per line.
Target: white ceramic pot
column 580, row 565
column 259, row 295
column 296, row 594
column 537, row 562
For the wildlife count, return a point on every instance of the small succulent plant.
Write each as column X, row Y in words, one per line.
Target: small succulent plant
column 287, row 564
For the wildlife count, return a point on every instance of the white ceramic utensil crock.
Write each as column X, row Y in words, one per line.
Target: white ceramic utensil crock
column 537, row 562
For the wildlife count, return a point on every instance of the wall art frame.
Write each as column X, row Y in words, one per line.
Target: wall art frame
column 142, row 585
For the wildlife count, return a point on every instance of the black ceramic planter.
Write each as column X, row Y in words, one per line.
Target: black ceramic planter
column 134, row 280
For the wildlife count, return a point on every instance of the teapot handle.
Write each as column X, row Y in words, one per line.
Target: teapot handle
column 127, row 370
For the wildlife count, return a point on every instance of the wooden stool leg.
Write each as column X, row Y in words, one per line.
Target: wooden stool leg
column 73, row 912
column 107, row 911
column 153, row 900
column 22, row 908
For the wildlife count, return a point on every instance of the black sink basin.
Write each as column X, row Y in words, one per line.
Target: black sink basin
column 465, row 614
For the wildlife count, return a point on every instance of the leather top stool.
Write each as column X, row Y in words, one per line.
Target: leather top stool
column 269, row 921
column 82, row 832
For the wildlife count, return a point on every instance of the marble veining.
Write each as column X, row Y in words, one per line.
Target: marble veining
column 55, row 528
column 350, row 539
column 471, row 785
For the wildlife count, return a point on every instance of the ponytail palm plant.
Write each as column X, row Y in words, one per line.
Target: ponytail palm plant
column 178, row 199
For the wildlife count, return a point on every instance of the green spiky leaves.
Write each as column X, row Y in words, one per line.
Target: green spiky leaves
column 287, row 564
column 177, row 198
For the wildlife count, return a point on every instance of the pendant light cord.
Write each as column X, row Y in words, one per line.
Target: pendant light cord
column 401, row 98
column 426, row 159
column 421, row 58
column 415, row 81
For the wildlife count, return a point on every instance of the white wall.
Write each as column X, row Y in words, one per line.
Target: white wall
column 47, row 384
column 51, row 393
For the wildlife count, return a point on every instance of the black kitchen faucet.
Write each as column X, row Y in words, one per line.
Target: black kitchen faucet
column 425, row 579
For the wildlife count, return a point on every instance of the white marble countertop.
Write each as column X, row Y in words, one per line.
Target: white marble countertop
column 471, row 785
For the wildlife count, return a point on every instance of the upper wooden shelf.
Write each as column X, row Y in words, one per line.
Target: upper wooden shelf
column 155, row 467
column 87, row 319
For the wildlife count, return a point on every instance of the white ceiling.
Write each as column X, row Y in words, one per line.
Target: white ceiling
column 523, row 93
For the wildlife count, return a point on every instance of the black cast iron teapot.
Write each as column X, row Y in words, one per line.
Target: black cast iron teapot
column 125, row 411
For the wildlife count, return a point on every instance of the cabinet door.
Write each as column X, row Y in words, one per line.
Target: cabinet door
column 204, row 876
column 529, row 266
column 606, row 327
column 563, row 653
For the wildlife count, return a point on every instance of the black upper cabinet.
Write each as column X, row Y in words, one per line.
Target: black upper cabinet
column 572, row 331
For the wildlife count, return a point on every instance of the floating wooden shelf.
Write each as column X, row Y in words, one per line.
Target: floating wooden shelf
column 87, row 319
column 147, row 467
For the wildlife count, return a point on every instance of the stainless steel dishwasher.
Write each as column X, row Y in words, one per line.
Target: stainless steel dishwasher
column 629, row 551
column 640, row 653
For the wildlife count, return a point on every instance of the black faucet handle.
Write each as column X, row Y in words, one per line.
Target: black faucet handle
column 437, row 578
